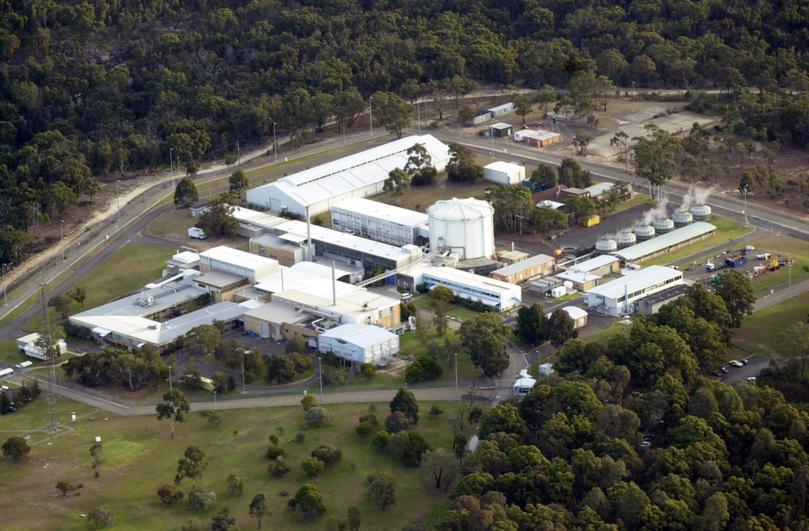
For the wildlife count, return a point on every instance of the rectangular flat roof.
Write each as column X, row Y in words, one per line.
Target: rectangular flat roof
column 577, row 276
column 500, row 125
column 524, row 264
column 664, row 241
column 507, row 105
column 635, row 281
column 359, row 334
column 594, row 263
column 277, row 312
column 218, row 279
column 348, row 241
column 271, row 240
column 303, row 280
column 256, row 218
column 469, row 279
column 376, row 209
column 164, row 297
column 666, row 294
column 539, row 134
column 503, row 166
column 599, row 188
column 229, row 255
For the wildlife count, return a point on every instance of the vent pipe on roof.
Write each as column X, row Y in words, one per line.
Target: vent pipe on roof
column 333, row 285
column 282, row 279
column 512, row 247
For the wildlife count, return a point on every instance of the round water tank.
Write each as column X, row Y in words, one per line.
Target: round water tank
column 463, row 226
column 606, row 245
column 682, row 218
column 625, row 239
column 663, row 225
column 701, row 212
column 644, row 232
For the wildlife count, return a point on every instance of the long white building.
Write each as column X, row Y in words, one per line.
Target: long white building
column 379, row 221
column 495, row 293
column 360, row 175
column 618, row 296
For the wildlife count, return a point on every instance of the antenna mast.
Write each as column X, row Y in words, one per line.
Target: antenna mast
column 47, row 343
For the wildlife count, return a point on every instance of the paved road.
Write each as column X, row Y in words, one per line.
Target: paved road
column 761, row 216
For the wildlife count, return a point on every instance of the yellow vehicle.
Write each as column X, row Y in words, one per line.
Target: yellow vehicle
column 591, row 221
column 772, row 263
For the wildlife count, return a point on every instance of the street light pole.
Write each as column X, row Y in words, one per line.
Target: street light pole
column 418, row 116
column 456, row 370
column 274, row 143
column 4, row 285
column 320, row 374
column 62, row 238
column 170, row 386
column 371, row 113
column 244, row 390
column 171, row 162
column 491, row 139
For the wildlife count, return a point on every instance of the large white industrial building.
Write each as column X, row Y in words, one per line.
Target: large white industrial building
column 360, row 175
column 379, row 222
column 665, row 243
column 235, row 262
column 462, row 226
column 359, row 343
column 617, row 297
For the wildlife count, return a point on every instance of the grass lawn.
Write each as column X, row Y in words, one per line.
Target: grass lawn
column 784, row 246
column 605, row 335
column 125, row 271
column 639, row 199
column 9, row 353
column 139, row 457
column 454, row 310
column 761, row 332
column 415, row 343
column 726, row 230
column 421, row 197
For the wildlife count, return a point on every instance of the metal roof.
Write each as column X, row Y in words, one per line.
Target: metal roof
column 522, row 265
column 635, row 281
column 376, row 209
column 501, row 125
column 502, row 166
column 243, row 259
column 470, row 279
column 593, row 263
column 363, row 336
column 539, row 134
column 664, row 241
column 575, row 312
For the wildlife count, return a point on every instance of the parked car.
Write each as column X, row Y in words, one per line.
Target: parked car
column 725, row 369
column 751, row 378
column 736, row 363
column 744, row 361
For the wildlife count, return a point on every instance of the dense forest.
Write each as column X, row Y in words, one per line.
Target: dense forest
column 89, row 88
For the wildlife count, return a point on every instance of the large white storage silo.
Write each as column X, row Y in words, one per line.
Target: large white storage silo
column 462, row 226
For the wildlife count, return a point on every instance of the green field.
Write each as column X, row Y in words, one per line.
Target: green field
column 139, row 457
column 125, row 271
column 783, row 246
column 639, row 199
column 761, row 332
column 415, row 343
column 455, row 310
column 9, row 354
column 727, row 230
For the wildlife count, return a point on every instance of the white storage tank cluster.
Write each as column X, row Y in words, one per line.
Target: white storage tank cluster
column 682, row 218
column 663, row 225
column 644, row 232
column 464, row 226
column 606, row 245
column 625, row 238
column 701, row 212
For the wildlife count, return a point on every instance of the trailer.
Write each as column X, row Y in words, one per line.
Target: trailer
column 6, row 372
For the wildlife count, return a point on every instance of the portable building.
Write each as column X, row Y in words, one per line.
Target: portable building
column 504, row 173
column 500, row 110
column 500, row 130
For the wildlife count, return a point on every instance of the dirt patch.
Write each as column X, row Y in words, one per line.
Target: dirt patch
column 395, row 368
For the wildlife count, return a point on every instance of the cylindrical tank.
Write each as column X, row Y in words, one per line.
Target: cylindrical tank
column 701, row 212
column 625, row 238
column 606, row 245
column 462, row 226
column 682, row 218
column 663, row 225
column 644, row 232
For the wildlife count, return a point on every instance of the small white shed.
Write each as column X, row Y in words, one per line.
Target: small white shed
column 504, row 173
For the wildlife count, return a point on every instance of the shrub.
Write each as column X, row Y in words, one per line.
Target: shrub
column 312, row 466
column 215, row 419
column 328, row 454
column 274, row 451
column 380, row 440
column 274, row 438
column 100, row 518
column 382, row 490
column 308, row 402
column 170, row 494
column 408, row 447
column 201, row 500
column 279, row 468
column 316, row 417
column 307, row 502
column 425, row 367
column 365, row 428
column 300, row 437
column 396, row 422
column 368, row 370
column 436, row 411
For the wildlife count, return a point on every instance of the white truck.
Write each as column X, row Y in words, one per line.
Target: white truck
column 196, row 233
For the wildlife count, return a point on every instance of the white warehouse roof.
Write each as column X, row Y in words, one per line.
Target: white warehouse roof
column 470, row 279
column 364, row 336
column 635, row 281
column 506, row 167
column 664, row 241
column 343, row 176
column 376, row 209
column 229, row 255
column 593, row 263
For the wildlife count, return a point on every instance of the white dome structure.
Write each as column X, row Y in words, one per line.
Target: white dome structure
column 463, row 226
column 606, row 245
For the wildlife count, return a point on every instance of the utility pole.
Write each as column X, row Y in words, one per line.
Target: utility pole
column 491, row 138
column 170, row 386
column 47, row 345
column 238, row 153
column 744, row 193
column 171, row 162
column 320, row 374
column 274, row 143
column 62, row 238
column 371, row 114
column 118, row 197
column 244, row 390
column 418, row 116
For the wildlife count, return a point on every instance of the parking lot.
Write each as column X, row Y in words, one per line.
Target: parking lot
column 754, row 366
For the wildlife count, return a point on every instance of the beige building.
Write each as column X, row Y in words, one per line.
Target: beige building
column 539, row 265
column 287, row 253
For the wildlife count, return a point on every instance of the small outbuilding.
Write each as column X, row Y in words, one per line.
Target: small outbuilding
column 524, row 384
column 500, row 129
column 504, row 173
column 500, row 110
column 360, row 343
column 578, row 315
column 28, row 344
